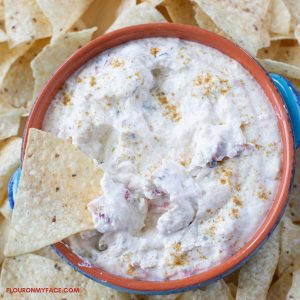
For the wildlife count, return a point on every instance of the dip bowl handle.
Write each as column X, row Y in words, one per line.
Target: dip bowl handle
column 291, row 98
column 13, row 187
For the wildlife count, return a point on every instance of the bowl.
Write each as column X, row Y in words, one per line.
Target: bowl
column 280, row 93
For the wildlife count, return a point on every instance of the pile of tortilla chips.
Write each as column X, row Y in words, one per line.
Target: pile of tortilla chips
column 36, row 37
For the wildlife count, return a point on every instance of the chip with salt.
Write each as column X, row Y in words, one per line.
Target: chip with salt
column 10, row 151
column 243, row 21
column 24, row 22
column 256, row 275
column 9, row 56
column 280, row 17
column 63, row 14
column 294, row 292
column 18, row 84
column 10, row 121
column 57, row 182
column 180, row 11
column 140, row 14
column 289, row 245
column 55, row 54
column 35, row 271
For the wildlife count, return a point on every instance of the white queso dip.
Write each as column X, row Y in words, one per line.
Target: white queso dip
column 190, row 149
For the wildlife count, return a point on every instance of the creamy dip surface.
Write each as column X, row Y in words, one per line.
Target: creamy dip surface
column 190, row 149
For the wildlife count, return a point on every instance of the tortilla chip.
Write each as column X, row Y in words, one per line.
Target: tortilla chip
column 5, row 209
column 218, row 290
column 280, row 17
column 48, row 252
column 205, row 22
column 1, row 10
column 63, row 14
column 10, row 122
column 78, row 26
column 57, row 182
column 165, row 297
column 152, row 2
column 256, row 275
column 35, row 271
column 9, row 56
column 289, row 55
column 3, row 36
column 4, row 229
column 297, row 33
column 289, row 246
column 124, row 5
column 293, row 210
column 278, row 37
column 140, row 14
column 294, row 292
column 280, row 68
column 243, row 21
column 269, row 52
column 24, row 22
column 18, row 84
column 294, row 8
column 10, row 152
column 180, row 11
column 280, row 288
column 55, row 54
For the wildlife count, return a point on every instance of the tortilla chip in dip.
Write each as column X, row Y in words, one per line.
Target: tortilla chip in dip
column 140, row 14
column 56, row 184
column 55, row 54
column 25, row 22
column 62, row 14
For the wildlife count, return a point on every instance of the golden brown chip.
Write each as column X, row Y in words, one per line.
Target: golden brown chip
column 256, row 275
column 55, row 54
column 63, row 14
column 57, row 182
column 269, row 52
column 181, row 11
column 243, row 21
column 24, row 22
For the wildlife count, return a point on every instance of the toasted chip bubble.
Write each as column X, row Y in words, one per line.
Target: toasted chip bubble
column 290, row 241
column 10, row 122
column 294, row 292
column 280, row 68
column 4, row 228
column 55, row 54
column 10, row 151
column 57, row 182
column 24, row 22
column 280, row 17
column 35, row 271
column 63, row 14
column 243, row 21
column 18, row 84
column 5, row 210
column 140, row 14
column 8, row 57
column 256, row 275
column 181, row 11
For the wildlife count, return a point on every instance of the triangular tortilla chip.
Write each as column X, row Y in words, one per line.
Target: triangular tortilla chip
column 24, row 22
column 280, row 17
column 57, row 183
column 140, row 14
column 243, row 21
column 10, row 121
column 55, row 54
column 63, row 14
